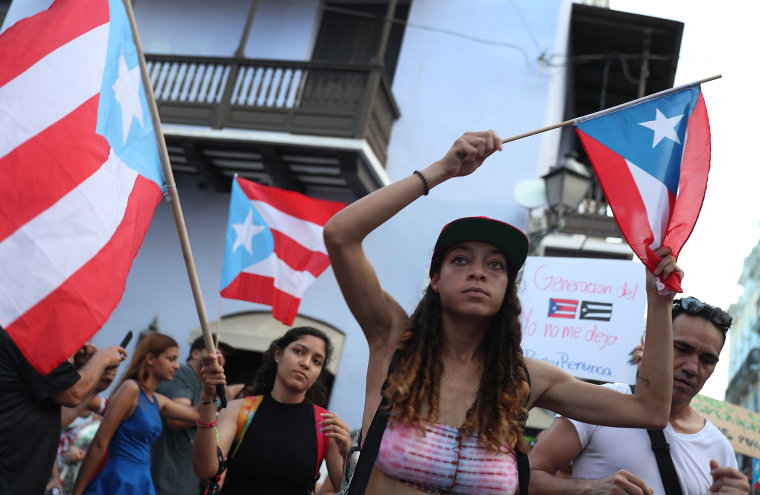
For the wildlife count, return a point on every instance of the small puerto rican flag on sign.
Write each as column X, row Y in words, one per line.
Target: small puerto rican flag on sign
column 562, row 308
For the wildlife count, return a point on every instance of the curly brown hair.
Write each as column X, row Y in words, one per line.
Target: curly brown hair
column 500, row 405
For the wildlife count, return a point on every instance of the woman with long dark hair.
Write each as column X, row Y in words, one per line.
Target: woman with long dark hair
column 454, row 385
column 132, row 422
column 275, row 440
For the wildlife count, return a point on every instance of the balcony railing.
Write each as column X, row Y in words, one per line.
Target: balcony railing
column 325, row 99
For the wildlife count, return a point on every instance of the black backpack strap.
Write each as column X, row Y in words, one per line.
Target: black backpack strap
column 523, row 472
column 369, row 450
column 523, row 465
column 661, row 450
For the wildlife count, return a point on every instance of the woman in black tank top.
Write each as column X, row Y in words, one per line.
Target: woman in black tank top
column 273, row 441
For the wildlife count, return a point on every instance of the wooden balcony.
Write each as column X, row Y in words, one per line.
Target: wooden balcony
column 309, row 99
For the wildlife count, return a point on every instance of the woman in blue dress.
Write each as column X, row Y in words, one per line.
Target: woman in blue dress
column 132, row 422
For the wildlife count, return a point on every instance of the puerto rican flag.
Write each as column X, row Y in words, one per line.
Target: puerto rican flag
column 562, row 308
column 80, row 174
column 275, row 248
column 652, row 157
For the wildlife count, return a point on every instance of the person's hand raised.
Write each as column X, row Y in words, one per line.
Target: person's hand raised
column 468, row 152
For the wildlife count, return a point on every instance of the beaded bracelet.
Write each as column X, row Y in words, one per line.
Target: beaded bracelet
column 205, row 425
column 424, row 182
column 207, row 402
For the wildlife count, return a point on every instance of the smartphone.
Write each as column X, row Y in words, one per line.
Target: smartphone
column 127, row 339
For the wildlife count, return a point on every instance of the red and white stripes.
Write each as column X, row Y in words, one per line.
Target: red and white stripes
column 72, row 214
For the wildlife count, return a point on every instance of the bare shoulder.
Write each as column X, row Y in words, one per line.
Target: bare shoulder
column 124, row 400
column 130, row 388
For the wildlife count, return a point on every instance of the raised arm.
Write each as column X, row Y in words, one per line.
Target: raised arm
column 345, row 232
column 649, row 407
column 120, row 407
column 381, row 318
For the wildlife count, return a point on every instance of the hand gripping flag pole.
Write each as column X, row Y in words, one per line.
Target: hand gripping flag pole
column 171, row 191
column 652, row 158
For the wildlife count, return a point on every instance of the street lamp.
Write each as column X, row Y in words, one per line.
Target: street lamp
column 569, row 210
column 567, row 185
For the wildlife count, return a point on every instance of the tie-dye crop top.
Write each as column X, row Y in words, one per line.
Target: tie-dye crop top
column 445, row 461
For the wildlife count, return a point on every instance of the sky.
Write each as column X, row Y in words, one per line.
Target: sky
column 719, row 38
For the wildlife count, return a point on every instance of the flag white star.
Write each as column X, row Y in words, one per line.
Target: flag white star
column 127, row 92
column 245, row 232
column 663, row 127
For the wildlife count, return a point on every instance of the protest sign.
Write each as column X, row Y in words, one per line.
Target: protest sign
column 583, row 315
column 740, row 426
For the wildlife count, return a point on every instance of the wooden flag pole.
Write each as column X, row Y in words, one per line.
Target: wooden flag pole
column 171, row 191
column 537, row 131
column 610, row 110
column 219, row 323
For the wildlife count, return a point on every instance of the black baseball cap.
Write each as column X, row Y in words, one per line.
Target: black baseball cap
column 507, row 238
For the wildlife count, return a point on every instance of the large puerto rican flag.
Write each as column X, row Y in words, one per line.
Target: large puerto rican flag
column 652, row 158
column 275, row 248
column 80, row 174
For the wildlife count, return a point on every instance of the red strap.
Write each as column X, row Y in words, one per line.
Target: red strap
column 322, row 439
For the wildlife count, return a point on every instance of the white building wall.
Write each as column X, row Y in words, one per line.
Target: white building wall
column 446, row 83
column 281, row 30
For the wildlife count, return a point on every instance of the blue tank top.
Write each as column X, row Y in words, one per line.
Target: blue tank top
column 134, row 435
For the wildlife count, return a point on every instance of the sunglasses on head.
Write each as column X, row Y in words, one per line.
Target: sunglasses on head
column 695, row 307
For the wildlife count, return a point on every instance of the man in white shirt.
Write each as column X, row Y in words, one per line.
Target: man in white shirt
column 620, row 460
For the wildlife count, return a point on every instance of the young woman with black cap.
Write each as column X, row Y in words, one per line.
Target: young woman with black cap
column 454, row 385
